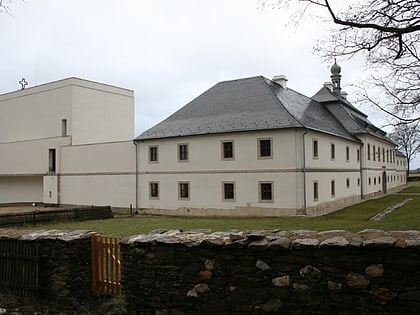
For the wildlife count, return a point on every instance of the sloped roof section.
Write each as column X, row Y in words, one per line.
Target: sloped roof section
column 352, row 119
column 238, row 105
column 248, row 104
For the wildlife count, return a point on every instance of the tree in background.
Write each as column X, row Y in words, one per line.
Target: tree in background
column 386, row 33
column 407, row 138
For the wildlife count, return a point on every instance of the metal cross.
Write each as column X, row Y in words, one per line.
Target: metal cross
column 23, row 83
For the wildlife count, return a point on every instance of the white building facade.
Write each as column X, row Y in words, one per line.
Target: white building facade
column 67, row 142
column 247, row 147
column 254, row 147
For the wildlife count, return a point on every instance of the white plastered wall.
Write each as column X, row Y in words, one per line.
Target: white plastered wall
column 98, row 174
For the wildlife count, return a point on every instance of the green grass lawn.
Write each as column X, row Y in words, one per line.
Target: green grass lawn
column 354, row 218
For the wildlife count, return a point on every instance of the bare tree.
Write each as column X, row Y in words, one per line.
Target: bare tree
column 386, row 32
column 407, row 137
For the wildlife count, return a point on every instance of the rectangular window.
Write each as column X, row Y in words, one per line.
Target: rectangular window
column 52, row 161
column 383, row 154
column 368, row 152
column 227, row 150
column 315, row 191
column 266, row 191
column 348, row 182
column 153, row 154
column 358, row 155
column 264, row 150
column 387, row 156
column 183, row 152
column 347, row 153
column 154, row 190
column 229, row 191
column 315, row 148
column 333, row 188
column 358, row 182
column 184, row 190
column 374, row 153
column 379, row 154
column 332, row 151
column 64, row 127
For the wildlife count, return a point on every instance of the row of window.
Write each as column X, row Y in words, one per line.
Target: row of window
column 387, row 155
column 265, row 191
column 315, row 151
column 227, row 150
column 332, row 188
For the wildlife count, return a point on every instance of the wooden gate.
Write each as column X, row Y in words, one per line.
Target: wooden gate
column 106, row 265
column 19, row 267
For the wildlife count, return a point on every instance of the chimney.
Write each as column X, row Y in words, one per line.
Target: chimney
column 281, row 79
column 329, row 85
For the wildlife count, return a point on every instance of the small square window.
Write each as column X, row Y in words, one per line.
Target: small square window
column 153, row 154
column 227, row 150
column 264, row 148
column 154, row 190
column 184, row 191
column 266, row 192
column 183, row 152
column 228, row 191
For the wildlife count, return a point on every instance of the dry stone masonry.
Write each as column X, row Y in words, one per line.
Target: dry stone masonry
column 272, row 272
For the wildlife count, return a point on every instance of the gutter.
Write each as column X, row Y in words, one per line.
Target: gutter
column 137, row 178
column 304, row 171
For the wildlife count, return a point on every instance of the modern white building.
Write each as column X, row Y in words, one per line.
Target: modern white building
column 256, row 147
column 67, row 142
column 251, row 146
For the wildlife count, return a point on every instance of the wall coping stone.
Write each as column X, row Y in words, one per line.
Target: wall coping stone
column 62, row 235
column 278, row 239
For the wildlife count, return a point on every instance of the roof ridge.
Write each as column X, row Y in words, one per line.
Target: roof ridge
column 277, row 100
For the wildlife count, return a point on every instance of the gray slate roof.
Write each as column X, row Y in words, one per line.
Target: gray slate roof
column 252, row 104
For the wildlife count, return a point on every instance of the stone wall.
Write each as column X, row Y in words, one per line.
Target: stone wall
column 272, row 272
column 64, row 264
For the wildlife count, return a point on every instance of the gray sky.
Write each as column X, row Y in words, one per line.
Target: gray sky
column 167, row 51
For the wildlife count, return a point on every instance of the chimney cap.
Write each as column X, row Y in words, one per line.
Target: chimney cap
column 281, row 79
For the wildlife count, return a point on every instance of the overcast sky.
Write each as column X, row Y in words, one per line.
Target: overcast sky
column 167, row 51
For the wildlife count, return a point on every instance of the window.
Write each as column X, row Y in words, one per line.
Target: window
column 51, row 161
column 368, row 152
column 374, row 153
column 64, row 127
column 184, row 190
column 228, row 191
column 153, row 154
column 264, row 150
column 358, row 155
column 333, row 188
column 348, row 182
column 369, row 181
column 379, row 154
column 266, row 192
column 358, row 182
column 374, row 181
column 383, row 154
column 227, row 150
column 387, row 156
column 315, row 148
column 332, row 151
column 347, row 153
column 316, row 191
column 154, row 190
column 183, row 152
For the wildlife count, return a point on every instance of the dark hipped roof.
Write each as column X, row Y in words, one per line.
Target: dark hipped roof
column 349, row 116
column 248, row 104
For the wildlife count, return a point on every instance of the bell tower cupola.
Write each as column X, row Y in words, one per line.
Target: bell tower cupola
column 336, row 78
